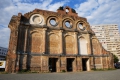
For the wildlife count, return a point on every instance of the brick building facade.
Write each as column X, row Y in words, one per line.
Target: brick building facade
column 54, row 41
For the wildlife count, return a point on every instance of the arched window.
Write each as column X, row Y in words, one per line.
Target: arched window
column 36, row 42
column 69, row 45
column 82, row 46
column 96, row 46
column 53, row 44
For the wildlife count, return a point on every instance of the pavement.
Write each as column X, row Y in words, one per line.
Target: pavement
column 87, row 75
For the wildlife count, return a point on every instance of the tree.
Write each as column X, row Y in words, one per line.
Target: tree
column 115, row 59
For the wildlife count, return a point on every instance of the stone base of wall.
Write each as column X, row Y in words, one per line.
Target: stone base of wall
column 58, row 63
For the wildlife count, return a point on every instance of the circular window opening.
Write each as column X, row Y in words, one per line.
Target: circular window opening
column 67, row 10
column 36, row 19
column 80, row 25
column 53, row 21
column 67, row 24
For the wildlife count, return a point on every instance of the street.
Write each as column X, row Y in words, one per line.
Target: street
column 91, row 75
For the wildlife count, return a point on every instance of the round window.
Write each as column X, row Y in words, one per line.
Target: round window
column 67, row 10
column 67, row 24
column 53, row 22
column 36, row 19
column 80, row 25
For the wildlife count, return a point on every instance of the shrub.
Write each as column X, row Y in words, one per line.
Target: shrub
column 63, row 71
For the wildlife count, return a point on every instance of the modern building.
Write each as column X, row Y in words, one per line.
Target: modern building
column 3, row 53
column 108, row 35
column 46, row 41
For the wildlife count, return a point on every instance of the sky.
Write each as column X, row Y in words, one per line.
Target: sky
column 96, row 11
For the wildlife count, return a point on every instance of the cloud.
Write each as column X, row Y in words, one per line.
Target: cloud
column 54, row 7
column 100, row 11
column 4, row 36
column 4, row 3
column 86, row 8
column 9, row 8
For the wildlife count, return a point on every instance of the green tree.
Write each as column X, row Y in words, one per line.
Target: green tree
column 115, row 59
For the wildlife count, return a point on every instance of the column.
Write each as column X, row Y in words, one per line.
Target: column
column 61, row 41
column 26, row 37
column 89, row 45
column 44, row 40
column 76, row 43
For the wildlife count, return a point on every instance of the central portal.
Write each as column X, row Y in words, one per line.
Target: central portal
column 53, row 64
column 70, row 64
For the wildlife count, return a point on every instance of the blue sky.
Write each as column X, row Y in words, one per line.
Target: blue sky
column 96, row 11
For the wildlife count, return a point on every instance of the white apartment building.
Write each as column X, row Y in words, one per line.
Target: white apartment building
column 3, row 52
column 109, row 37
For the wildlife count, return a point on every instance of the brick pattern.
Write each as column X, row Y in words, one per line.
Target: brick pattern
column 54, row 45
column 69, row 45
column 98, row 60
column 36, row 43
column 96, row 47
column 23, row 61
column 35, row 63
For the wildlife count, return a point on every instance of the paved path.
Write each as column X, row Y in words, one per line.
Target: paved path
column 92, row 75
